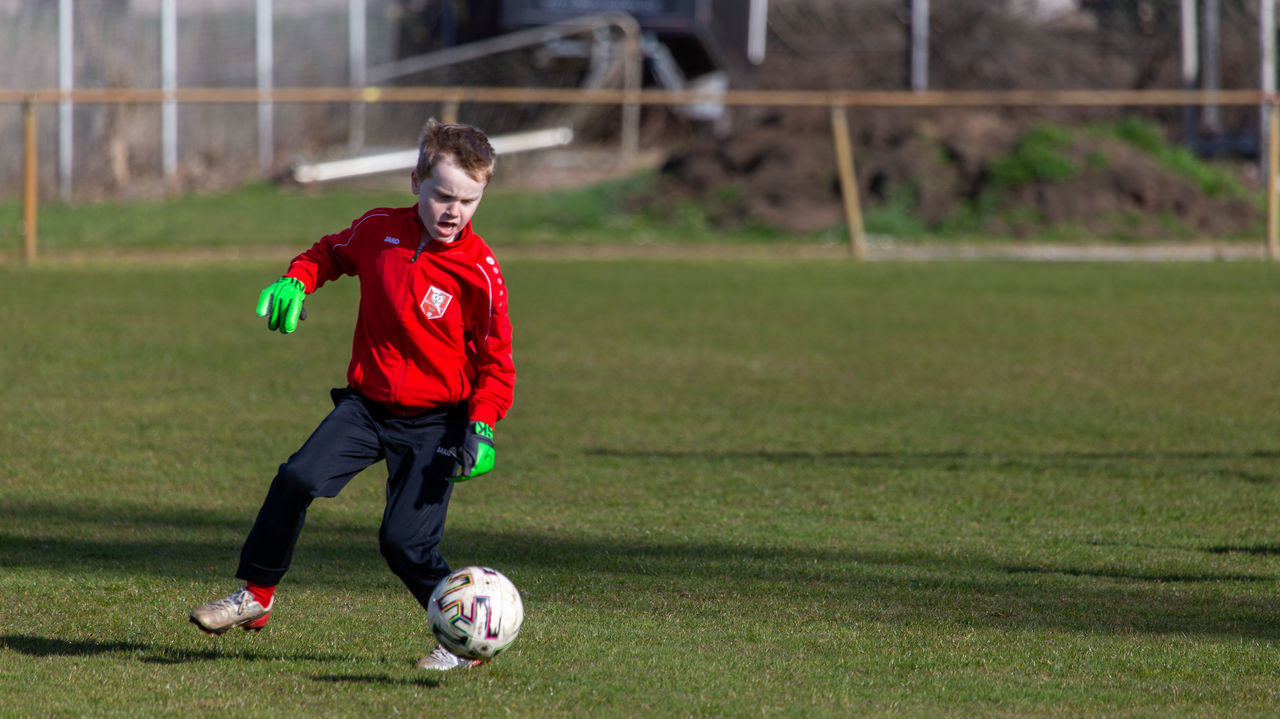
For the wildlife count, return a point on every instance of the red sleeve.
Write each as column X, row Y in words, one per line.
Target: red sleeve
column 330, row 258
column 489, row 353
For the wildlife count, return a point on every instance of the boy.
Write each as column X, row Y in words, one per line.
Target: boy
column 430, row 375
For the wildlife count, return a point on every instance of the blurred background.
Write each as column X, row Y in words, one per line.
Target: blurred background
column 1146, row 171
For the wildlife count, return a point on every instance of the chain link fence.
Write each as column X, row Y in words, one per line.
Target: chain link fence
column 117, row 148
column 812, row 44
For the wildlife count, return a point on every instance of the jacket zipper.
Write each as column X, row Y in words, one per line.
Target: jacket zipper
column 405, row 308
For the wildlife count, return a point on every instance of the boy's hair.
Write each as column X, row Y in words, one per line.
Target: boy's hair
column 467, row 146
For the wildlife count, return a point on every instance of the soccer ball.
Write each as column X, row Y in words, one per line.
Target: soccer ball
column 475, row 612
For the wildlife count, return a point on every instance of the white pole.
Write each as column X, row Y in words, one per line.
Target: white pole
column 757, row 30
column 266, row 130
column 1190, row 66
column 1212, row 66
column 66, row 81
column 919, row 45
column 357, row 52
column 169, row 83
column 1267, row 30
column 1267, row 40
column 1190, row 44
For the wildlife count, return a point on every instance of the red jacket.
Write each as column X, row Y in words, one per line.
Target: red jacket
column 432, row 327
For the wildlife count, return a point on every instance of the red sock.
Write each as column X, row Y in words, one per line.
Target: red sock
column 261, row 593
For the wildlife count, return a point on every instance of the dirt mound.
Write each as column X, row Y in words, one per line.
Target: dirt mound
column 941, row 167
column 769, row 174
column 1126, row 192
column 781, row 173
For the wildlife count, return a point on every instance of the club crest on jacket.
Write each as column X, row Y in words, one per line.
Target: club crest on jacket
column 435, row 302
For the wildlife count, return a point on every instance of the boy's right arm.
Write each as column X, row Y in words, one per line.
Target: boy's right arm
column 281, row 302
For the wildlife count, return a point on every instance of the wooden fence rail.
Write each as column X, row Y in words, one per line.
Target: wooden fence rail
column 837, row 101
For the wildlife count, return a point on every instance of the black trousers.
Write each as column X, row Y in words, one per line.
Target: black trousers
column 357, row 433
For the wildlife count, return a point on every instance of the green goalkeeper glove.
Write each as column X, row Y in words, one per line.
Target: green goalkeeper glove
column 475, row 456
column 281, row 304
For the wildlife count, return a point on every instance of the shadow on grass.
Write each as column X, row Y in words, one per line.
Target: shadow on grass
column 664, row 575
column 913, row 458
column 1136, row 576
column 971, row 460
column 1259, row 550
column 34, row 646
column 431, row 682
column 37, row 646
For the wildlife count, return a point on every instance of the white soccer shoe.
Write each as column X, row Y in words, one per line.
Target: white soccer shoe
column 238, row 609
column 442, row 659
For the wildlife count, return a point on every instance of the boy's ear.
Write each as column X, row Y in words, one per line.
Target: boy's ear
column 414, row 183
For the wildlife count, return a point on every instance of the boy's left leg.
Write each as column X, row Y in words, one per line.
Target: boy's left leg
column 418, row 492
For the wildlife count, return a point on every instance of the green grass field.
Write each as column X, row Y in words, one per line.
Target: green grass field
column 263, row 215
column 727, row 488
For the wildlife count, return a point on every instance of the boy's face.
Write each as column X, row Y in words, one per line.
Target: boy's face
column 447, row 199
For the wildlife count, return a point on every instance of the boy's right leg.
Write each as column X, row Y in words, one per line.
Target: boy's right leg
column 343, row 445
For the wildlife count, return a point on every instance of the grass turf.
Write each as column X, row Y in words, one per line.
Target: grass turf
column 726, row 489
column 264, row 215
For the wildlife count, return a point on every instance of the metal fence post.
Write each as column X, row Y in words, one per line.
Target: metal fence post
column 169, row 83
column 29, row 181
column 264, row 24
column 66, row 83
column 358, row 63
column 1273, row 166
column 632, row 69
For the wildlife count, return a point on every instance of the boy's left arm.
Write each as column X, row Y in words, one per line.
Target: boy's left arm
column 495, row 377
